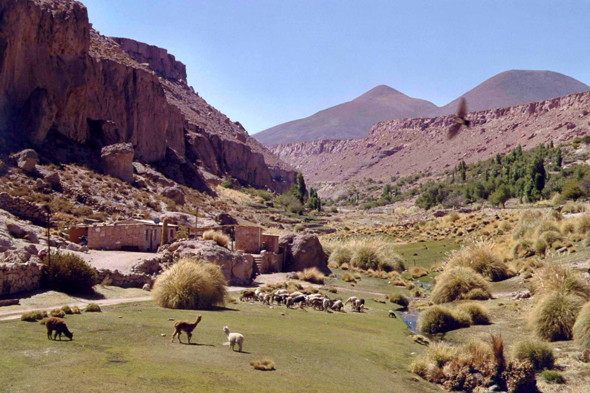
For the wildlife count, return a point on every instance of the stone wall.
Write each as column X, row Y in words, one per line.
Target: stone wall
column 19, row 277
column 114, row 237
column 270, row 243
column 248, row 239
column 22, row 209
column 129, row 280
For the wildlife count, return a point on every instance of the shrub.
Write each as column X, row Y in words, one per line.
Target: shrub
column 398, row 299
column 456, row 283
column 582, row 328
column 417, row 272
column 313, row 275
column 540, row 246
column 573, row 208
column 421, row 366
column 190, row 284
column 347, row 277
column 538, row 353
column 454, row 216
column 551, row 237
column 481, row 257
column 263, row 365
column 92, row 307
column 477, row 313
column 299, row 228
column 441, row 353
column 33, row 316
column 439, row 319
column 217, row 237
column 520, row 377
column 340, row 255
column 554, row 317
column 76, row 310
column 365, row 257
column 56, row 312
column 551, row 376
column 290, row 203
column 582, row 223
column 523, row 249
column 562, row 279
column 69, row 273
column 67, row 310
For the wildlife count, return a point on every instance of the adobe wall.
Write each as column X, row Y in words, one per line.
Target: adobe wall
column 19, row 277
column 248, row 239
column 270, row 243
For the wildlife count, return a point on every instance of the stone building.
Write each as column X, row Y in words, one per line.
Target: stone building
column 128, row 235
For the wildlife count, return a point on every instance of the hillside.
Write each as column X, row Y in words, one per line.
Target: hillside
column 516, row 87
column 351, row 119
column 62, row 79
column 411, row 146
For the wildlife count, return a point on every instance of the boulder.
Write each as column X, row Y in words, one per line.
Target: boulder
column 225, row 219
column 53, row 179
column 26, row 160
column 175, row 193
column 302, row 252
column 117, row 161
column 236, row 268
column 147, row 266
column 15, row 256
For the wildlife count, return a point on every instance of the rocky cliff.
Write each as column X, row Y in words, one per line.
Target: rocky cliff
column 58, row 75
column 407, row 146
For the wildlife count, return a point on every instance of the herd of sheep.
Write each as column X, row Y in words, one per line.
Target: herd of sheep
column 317, row 301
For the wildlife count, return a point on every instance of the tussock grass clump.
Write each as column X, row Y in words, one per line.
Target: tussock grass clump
column 477, row 313
column 33, row 316
column 376, row 254
column 366, row 257
column 263, row 365
column 582, row 223
column 538, row 353
column 190, row 284
column 554, row 317
column 69, row 273
column 439, row 319
column 523, row 249
column 218, row 237
column 582, row 328
column 570, row 208
column 398, row 299
column 551, row 237
column 312, row 275
column 340, row 255
column 540, row 246
column 417, row 272
column 529, row 220
column 456, row 283
column 481, row 257
column 92, row 307
column 551, row 376
column 347, row 277
column 76, row 310
column 67, row 310
column 561, row 279
column 546, row 225
column 56, row 312
column 567, row 227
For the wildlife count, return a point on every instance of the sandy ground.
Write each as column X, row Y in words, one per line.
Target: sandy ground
column 114, row 260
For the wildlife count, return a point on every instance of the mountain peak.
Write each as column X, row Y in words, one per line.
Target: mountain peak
column 379, row 92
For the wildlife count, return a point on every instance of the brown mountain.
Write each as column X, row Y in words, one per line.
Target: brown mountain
column 515, row 87
column 352, row 119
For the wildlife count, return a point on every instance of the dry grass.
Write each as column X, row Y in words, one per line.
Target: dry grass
column 92, row 307
column 376, row 254
column 312, row 275
column 190, row 284
column 457, row 283
column 439, row 319
column 399, row 299
column 339, row 256
column 33, row 316
column 481, row 257
column 582, row 328
column 417, row 272
column 347, row 277
column 478, row 313
column 263, row 365
column 582, row 223
column 561, row 279
column 56, row 312
column 217, row 237
column 554, row 317
column 538, row 353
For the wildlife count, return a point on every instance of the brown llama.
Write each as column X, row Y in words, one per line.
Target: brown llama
column 59, row 326
column 184, row 326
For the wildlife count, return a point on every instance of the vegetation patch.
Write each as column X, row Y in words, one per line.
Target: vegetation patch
column 554, row 317
column 439, row 319
column 218, row 237
column 263, row 365
column 33, row 316
column 582, row 328
column 477, row 313
column 481, row 257
column 459, row 283
column 92, row 307
column 69, row 273
column 538, row 353
column 312, row 275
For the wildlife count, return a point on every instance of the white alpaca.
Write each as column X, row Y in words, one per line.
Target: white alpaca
column 351, row 300
column 234, row 338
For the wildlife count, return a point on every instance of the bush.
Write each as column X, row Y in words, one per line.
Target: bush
column 313, row 275
column 456, row 283
column 56, row 312
column 347, row 277
column 441, row 353
column 481, row 257
column 417, row 272
column 218, row 237
column 92, row 307
column 538, row 353
column 33, row 316
column 551, row 376
column 439, row 319
column 390, row 260
column 540, row 246
column 582, row 223
column 299, row 228
column 398, row 299
column 263, row 365
column 190, row 284
column 69, row 273
column 365, row 257
column 477, row 313
column 523, row 249
column 76, row 310
column 554, row 317
column 562, row 279
column 67, row 310
column 520, row 377
column 551, row 237
column 582, row 328
column 290, row 203
column 340, row 255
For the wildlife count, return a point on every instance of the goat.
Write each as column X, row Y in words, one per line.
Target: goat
column 234, row 338
column 358, row 305
column 351, row 300
column 59, row 326
column 337, row 305
column 185, row 326
column 327, row 303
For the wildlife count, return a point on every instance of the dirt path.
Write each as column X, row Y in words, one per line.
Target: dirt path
column 81, row 303
column 114, row 260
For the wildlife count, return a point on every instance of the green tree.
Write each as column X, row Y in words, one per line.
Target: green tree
column 537, row 174
column 558, row 158
column 301, row 188
column 572, row 190
column 500, row 196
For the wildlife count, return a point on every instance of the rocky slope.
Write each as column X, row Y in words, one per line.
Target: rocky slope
column 59, row 76
column 408, row 146
column 352, row 119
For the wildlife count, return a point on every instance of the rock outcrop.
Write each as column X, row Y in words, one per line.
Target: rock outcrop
column 59, row 75
column 302, row 252
column 117, row 161
column 23, row 209
column 27, row 160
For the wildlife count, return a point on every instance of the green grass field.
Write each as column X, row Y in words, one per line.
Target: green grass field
column 121, row 350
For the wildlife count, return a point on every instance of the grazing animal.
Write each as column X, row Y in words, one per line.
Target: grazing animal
column 234, row 338
column 358, row 305
column 289, row 302
column 459, row 120
column 184, row 326
column 337, row 305
column 327, row 304
column 392, row 314
column 248, row 295
column 351, row 300
column 58, row 326
column 300, row 300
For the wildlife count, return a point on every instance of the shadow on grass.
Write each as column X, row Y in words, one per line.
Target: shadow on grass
column 219, row 308
column 199, row 345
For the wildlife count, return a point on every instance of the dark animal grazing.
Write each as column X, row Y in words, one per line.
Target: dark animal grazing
column 392, row 314
column 459, row 120
column 248, row 295
column 184, row 326
column 58, row 326
column 300, row 300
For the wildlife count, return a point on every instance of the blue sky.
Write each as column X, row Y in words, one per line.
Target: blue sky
column 265, row 62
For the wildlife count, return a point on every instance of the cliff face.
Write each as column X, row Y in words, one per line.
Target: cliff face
column 58, row 74
column 407, row 146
